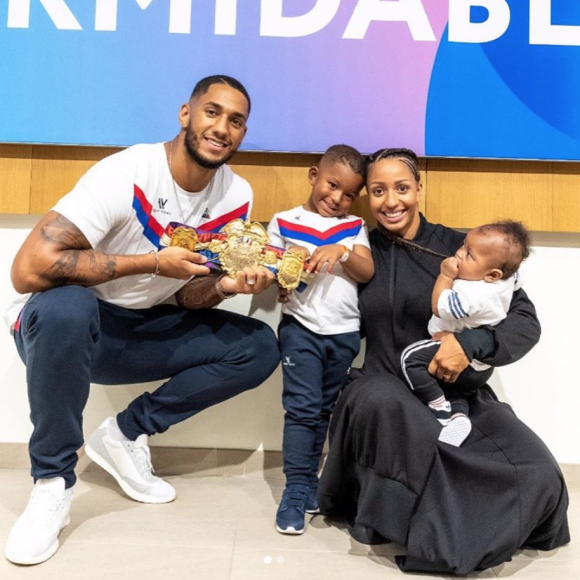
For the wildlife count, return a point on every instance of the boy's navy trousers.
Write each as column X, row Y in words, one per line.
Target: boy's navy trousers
column 315, row 368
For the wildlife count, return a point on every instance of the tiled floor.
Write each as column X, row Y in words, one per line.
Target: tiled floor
column 221, row 527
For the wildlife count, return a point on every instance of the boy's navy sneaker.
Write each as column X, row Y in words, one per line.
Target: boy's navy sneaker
column 312, row 502
column 292, row 509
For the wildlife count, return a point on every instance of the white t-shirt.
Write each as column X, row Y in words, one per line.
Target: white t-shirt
column 329, row 304
column 122, row 206
column 474, row 303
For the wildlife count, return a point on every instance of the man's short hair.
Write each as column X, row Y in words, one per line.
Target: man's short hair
column 204, row 84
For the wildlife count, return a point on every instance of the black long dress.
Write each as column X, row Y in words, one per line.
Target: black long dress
column 454, row 509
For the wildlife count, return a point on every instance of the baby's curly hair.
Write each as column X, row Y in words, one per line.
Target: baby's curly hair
column 517, row 243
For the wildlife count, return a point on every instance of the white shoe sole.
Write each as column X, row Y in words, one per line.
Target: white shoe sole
column 141, row 497
column 42, row 557
column 456, row 432
column 290, row 531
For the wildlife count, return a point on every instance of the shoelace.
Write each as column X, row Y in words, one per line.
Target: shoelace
column 143, row 455
column 43, row 507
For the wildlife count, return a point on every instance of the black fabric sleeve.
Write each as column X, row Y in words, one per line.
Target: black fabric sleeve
column 476, row 343
column 507, row 342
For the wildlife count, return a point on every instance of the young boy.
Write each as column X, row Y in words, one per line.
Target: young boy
column 319, row 331
column 474, row 288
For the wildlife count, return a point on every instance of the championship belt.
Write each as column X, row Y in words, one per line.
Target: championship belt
column 238, row 245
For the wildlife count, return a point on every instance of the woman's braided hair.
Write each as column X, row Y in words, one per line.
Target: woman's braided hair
column 408, row 244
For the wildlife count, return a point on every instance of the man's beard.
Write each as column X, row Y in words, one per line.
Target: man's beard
column 192, row 145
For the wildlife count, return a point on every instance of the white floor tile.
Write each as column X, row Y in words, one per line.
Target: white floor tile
column 222, row 527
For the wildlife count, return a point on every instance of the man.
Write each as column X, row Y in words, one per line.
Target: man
column 96, row 312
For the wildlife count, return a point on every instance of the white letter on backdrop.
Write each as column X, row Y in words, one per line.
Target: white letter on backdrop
column 272, row 23
column 179, row 15
column 542, row 31
column 461, row 29
column 409, row 11
column 226, row 12
column 59, row 12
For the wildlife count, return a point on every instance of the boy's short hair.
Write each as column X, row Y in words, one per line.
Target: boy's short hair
column 517, row 243
column 204, row 84
column 346, row 155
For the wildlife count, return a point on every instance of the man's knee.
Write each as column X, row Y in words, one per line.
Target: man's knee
column 66, row 309
column 262, row 349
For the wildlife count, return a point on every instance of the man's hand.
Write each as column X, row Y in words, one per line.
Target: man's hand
column 450, row 267
column 251, row 280
column 201, row 292
column 450, row 360
column 181, row 264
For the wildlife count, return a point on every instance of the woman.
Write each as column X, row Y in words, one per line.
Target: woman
column 456, row 509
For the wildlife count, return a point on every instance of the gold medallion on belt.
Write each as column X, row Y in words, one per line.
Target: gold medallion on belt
column 240, row 245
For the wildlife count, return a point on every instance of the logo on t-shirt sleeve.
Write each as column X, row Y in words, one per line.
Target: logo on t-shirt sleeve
column 218, row 223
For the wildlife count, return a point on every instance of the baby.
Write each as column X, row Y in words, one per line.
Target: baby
column 474, row 288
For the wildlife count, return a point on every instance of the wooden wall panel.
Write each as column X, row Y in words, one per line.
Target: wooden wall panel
column 543, row 195
column 279, row 181
column 460, row 193
column 15, row 169
column 566, row 197
column 55, row 170
column 466, row 193
column 425, row 179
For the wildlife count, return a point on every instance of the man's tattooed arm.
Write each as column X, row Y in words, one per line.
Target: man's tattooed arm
column 82, row 268
column 56, row 253
column 77, row 263
column 199, row 293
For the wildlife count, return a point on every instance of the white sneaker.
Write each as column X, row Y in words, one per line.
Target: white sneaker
column 34, row 537
column 456, row 432
column 129, row 462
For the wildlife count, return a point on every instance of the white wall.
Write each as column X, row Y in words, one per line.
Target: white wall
column 544, row 388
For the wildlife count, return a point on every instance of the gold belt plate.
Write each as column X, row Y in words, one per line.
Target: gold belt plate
column 246, row 245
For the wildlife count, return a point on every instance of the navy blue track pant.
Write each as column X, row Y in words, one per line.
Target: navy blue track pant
column 68, row 338
column 315, row 368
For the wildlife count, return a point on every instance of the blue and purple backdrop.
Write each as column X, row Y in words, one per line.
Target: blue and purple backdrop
column 488, row 78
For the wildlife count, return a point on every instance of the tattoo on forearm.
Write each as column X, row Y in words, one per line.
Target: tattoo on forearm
column 198, row 294
column 74, row 266
column 78, row 264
